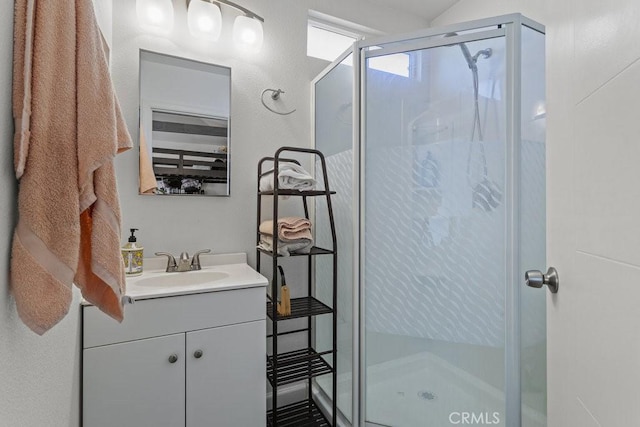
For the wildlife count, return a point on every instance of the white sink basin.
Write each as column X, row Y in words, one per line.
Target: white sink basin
column 191, row 278
column 220, row 272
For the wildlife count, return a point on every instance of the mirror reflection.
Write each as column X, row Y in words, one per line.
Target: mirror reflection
column 184, row 126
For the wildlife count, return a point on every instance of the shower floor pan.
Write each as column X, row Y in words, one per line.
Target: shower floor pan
column 424, row 390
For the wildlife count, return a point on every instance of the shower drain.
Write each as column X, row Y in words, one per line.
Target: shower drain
column 427, row 395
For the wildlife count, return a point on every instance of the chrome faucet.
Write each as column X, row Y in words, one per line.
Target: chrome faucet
column 184, row 264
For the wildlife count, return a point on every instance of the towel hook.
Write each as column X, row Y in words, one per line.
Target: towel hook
column 275, row 95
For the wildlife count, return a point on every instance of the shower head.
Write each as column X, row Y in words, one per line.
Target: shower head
column 485, row 53
column 471, row 59
column 472, row 62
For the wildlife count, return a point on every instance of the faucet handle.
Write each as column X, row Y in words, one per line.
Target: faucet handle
column 195, row 262
column 171, row 261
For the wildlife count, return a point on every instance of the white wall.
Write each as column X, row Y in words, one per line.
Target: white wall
column 363, row 12
column 39, row 381
column 593, row 99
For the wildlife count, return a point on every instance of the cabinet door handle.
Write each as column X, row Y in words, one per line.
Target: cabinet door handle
column 198, row 354
column 173, row 358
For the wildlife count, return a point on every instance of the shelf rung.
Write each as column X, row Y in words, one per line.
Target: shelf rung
column 311, row 193
column 298, row 365
column 301, row 307
column 300, row 414
column 313, row 251
column 295, row 331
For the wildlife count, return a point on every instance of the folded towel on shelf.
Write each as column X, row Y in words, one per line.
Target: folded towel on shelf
column 290, row 177
column 289, row 228
column 284, row 248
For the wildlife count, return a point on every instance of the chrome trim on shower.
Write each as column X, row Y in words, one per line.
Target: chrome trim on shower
column 460, row 27
column 420, row 44
column 360, row 83
column 357, row 296
column 513, row 386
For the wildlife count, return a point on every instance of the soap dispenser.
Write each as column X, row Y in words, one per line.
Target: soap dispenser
column 132, row 255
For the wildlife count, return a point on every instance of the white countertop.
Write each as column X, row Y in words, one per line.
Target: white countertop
column 221, row 272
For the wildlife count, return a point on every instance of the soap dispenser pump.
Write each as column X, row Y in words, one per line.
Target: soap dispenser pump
column 132, row 254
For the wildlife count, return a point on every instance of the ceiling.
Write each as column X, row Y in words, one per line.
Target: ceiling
column 428, row 9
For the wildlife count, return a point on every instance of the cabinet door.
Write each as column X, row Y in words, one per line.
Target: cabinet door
column 135, row 384
column 226, row 384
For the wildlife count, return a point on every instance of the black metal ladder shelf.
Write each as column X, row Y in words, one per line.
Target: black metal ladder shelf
column 297, row 365
column 307, row 363
column 300, row 414
column 301, row 307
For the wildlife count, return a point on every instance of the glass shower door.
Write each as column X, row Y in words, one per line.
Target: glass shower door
column 333, row 104
column 533, row 328
column 435, row 234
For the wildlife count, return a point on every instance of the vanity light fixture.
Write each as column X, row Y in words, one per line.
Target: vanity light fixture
column 248, row 34
column 205, row 20
column 155, row 15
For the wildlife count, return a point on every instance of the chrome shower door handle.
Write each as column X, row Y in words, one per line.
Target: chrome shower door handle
column 536, row 279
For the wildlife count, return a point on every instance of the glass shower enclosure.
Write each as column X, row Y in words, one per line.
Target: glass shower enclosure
column 435, row 144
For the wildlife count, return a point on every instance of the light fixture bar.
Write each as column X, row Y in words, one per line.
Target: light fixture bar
column 248, row 33
column 244, row 10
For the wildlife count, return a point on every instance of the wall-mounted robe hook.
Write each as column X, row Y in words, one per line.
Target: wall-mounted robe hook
column 275, row 95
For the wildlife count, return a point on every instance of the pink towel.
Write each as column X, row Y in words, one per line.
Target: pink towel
column 69, row 127
column 289, row 228
column 147, row 179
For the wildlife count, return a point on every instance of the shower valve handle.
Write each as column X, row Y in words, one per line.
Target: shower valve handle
column 536, row 279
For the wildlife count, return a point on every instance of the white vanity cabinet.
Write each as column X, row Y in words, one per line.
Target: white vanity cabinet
column 222, row 385
column 134, row 383
column 186, row 360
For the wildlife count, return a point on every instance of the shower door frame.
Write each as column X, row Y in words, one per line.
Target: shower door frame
column 510, row 27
